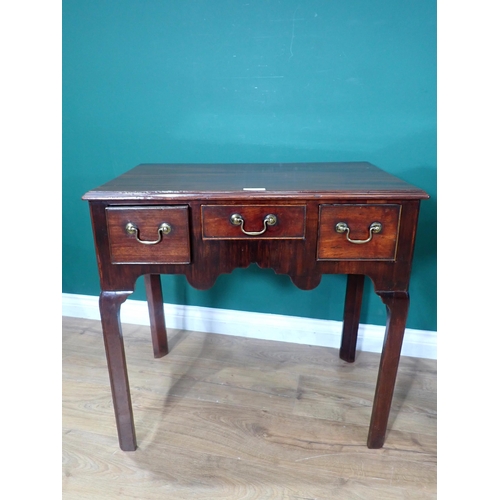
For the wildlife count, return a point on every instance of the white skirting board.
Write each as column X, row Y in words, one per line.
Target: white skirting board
column 310, row 331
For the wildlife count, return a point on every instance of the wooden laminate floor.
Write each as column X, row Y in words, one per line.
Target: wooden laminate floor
column 224, row 417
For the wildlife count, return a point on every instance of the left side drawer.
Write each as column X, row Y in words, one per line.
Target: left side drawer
column 149, row 235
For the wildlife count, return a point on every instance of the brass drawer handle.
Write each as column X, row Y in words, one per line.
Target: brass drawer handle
column 342, row 227
column 269, row 220
column 163, row 229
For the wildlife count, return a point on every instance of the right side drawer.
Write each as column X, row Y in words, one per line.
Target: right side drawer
column 358, row 232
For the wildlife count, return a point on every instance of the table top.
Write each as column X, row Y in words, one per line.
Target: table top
column 255, row 180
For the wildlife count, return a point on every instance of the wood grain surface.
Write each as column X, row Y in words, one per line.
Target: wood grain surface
column 225, row 417
column 169, row 181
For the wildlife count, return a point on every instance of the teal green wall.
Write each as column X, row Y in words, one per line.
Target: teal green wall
column 250, row 81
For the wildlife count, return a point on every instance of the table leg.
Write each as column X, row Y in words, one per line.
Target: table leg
column 352, row 311
column 397, row 311
column 109, row 305
column 156, row 314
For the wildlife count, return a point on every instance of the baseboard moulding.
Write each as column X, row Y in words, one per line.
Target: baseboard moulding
column 265, row 326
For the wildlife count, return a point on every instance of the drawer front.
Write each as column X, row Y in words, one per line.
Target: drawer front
column 136, row 235
column 229, row 222
column 351, row 232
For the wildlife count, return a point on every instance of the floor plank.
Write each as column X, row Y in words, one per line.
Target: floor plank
column 236, row 418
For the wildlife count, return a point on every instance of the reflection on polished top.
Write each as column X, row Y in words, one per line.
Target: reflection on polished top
column 168, row 181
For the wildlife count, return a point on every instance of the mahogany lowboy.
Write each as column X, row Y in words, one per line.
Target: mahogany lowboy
column 300, row 219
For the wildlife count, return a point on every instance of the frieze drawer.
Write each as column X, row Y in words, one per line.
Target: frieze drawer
column 228, row 222
column 149, row 235
column 358, row 232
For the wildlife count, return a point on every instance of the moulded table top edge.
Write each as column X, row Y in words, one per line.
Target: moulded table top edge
column 257, row 195
column 359, row 180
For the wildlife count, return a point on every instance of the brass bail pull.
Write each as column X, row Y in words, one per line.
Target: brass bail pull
column 269, row 220
column 163, row 229
column 342, row 227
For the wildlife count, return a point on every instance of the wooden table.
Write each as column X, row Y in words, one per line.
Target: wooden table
column 300, row 219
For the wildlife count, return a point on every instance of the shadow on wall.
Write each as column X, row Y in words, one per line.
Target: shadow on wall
column 426, row 242
column 423, row 284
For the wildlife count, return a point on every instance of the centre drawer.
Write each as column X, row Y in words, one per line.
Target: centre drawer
column 358, row 232
column 149, row 235
column 228, row 222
